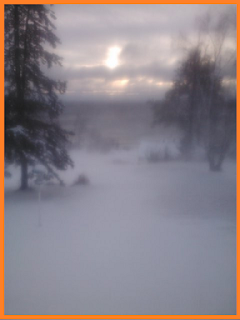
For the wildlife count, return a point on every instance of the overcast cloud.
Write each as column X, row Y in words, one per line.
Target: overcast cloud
column 124, row 51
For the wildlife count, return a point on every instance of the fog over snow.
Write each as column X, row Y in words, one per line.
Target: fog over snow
column 140, row 238
column 136, row 228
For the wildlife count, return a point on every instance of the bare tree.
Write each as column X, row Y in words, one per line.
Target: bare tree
column 199, row 98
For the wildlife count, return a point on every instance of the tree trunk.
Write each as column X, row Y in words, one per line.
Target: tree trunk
column 215, row 161
column 190, row 134
column 24, row 174
column 17, row 55
column 218, row 145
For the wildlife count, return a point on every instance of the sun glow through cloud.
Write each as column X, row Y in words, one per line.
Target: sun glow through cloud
column 112, row 57
column 120, row 83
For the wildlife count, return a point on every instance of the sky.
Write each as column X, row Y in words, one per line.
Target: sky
column 128, row 52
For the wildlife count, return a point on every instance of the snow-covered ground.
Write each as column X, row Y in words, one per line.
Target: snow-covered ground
column 140, row 238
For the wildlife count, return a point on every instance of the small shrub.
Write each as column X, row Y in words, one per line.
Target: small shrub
column 155, row 152
column 81, row 180
column 7, row 174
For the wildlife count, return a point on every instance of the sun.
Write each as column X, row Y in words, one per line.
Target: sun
column 112, row 60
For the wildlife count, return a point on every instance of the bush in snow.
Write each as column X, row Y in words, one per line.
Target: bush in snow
column 158, row 151
column 81, row 180
column 7, row 174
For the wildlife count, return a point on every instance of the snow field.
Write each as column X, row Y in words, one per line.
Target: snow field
column 139, row 239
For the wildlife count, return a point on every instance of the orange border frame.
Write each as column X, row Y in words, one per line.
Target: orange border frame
column 2, row 316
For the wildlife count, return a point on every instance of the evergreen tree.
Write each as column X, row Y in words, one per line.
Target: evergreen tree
column 32, row 107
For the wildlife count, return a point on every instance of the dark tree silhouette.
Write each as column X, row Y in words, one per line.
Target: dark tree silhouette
column 32, row 132
column 196, row 103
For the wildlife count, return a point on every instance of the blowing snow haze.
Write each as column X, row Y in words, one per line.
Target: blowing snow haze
column 128, row 51
column 135, row 212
